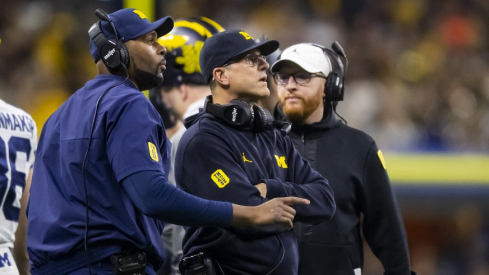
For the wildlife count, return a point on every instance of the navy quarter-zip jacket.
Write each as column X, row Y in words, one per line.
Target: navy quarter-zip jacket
column 357, row 173
column 218, row 162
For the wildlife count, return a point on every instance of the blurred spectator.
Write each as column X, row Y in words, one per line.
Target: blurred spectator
column 429, row 59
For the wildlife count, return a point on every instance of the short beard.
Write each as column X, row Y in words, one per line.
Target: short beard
column 147, row 80
column 299, row 114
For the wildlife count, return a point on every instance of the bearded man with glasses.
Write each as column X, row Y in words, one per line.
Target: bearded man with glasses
column 232, row 152
column 351, row 161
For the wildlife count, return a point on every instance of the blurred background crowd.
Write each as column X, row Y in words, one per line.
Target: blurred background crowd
column 417, row 81
column 418, row 76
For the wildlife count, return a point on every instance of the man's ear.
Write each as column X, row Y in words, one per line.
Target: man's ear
column 324, row 89
column 220, row 76
column 183, row 89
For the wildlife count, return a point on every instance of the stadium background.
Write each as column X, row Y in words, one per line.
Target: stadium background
column 418, row 82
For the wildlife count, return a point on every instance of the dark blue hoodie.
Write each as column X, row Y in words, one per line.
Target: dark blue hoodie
column 217, row 162
column 366, row 204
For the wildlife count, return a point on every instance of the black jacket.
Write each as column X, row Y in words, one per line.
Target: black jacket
column 218, row 162
column 354, row 166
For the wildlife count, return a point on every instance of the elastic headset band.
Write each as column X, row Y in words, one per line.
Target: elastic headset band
column 337, row 60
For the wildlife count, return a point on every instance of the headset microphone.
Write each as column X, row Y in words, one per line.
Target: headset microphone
column 102, row 15
column 339, row 50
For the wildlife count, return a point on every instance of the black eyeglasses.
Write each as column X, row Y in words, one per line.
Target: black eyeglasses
column 299, row 78
column 251, row 59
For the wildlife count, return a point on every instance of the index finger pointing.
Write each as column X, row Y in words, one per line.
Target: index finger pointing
column 295, row 200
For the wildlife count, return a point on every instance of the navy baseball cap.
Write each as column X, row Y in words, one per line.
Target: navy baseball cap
column 130, row 24
column 224, row 46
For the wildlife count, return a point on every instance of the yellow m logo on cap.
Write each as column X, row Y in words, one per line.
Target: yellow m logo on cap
column 140, row 14
column 246, row 35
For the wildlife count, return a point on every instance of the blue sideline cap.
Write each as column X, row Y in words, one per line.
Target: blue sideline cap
column 130, row 24
column 224, row 46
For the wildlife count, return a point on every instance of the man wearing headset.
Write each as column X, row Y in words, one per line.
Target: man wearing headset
column 182, row 92
column 231, row 152
column 310, row 82
column 99, row 187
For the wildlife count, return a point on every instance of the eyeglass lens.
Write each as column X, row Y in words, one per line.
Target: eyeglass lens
column 252, row 59
column 299, row 78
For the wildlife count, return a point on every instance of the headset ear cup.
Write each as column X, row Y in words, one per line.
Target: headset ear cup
column 124, row 55
column 246, row 111
column 110, row 55
column 260, row 121
column 329, row 87
column 240, row 114
column 334, row 88
column 236, row 113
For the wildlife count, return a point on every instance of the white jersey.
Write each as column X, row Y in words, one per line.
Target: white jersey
column 18, row 142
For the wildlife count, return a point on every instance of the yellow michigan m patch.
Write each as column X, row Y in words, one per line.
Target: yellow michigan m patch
column 281, row 162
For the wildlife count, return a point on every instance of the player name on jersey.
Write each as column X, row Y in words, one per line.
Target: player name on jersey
column 16, row 122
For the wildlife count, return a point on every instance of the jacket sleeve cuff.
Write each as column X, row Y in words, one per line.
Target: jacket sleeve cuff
column 274, row 188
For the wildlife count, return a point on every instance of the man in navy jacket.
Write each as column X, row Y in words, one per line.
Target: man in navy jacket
column 231, row 153
column 99, row 189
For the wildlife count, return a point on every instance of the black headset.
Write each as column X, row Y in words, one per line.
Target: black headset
column 114, row 54
column 239, row 114
column 334, row 88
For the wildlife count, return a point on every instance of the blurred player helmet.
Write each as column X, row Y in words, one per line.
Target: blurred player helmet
column 184, row 43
